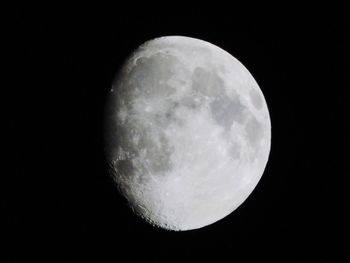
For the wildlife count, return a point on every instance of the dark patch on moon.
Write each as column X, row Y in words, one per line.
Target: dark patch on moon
column 190, row 102
column 225, row 111
column 158, row 156
column 235, row 151
column 123, row 167
column 167, row 116
column 256, row 99
column 254, row 131
column 150, row 74
column 207, row 83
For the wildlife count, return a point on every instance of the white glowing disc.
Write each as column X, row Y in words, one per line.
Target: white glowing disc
column 188, row 132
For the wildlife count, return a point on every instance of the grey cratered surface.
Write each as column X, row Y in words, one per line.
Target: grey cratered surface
column 188, row 132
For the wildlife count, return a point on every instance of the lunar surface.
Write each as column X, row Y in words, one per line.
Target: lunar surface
column 187, row 132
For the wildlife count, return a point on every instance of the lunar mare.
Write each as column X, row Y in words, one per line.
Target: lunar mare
column 187, row 132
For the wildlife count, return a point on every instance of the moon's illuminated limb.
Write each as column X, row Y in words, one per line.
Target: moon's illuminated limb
column 188, row 132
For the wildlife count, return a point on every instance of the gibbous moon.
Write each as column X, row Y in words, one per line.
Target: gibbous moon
column 188, row 132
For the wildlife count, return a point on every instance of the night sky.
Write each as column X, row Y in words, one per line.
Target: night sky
column 61, row 203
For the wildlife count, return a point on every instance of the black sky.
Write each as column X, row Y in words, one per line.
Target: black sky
column 62, row 205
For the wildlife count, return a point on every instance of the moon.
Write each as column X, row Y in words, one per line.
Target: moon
column 188, row 132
